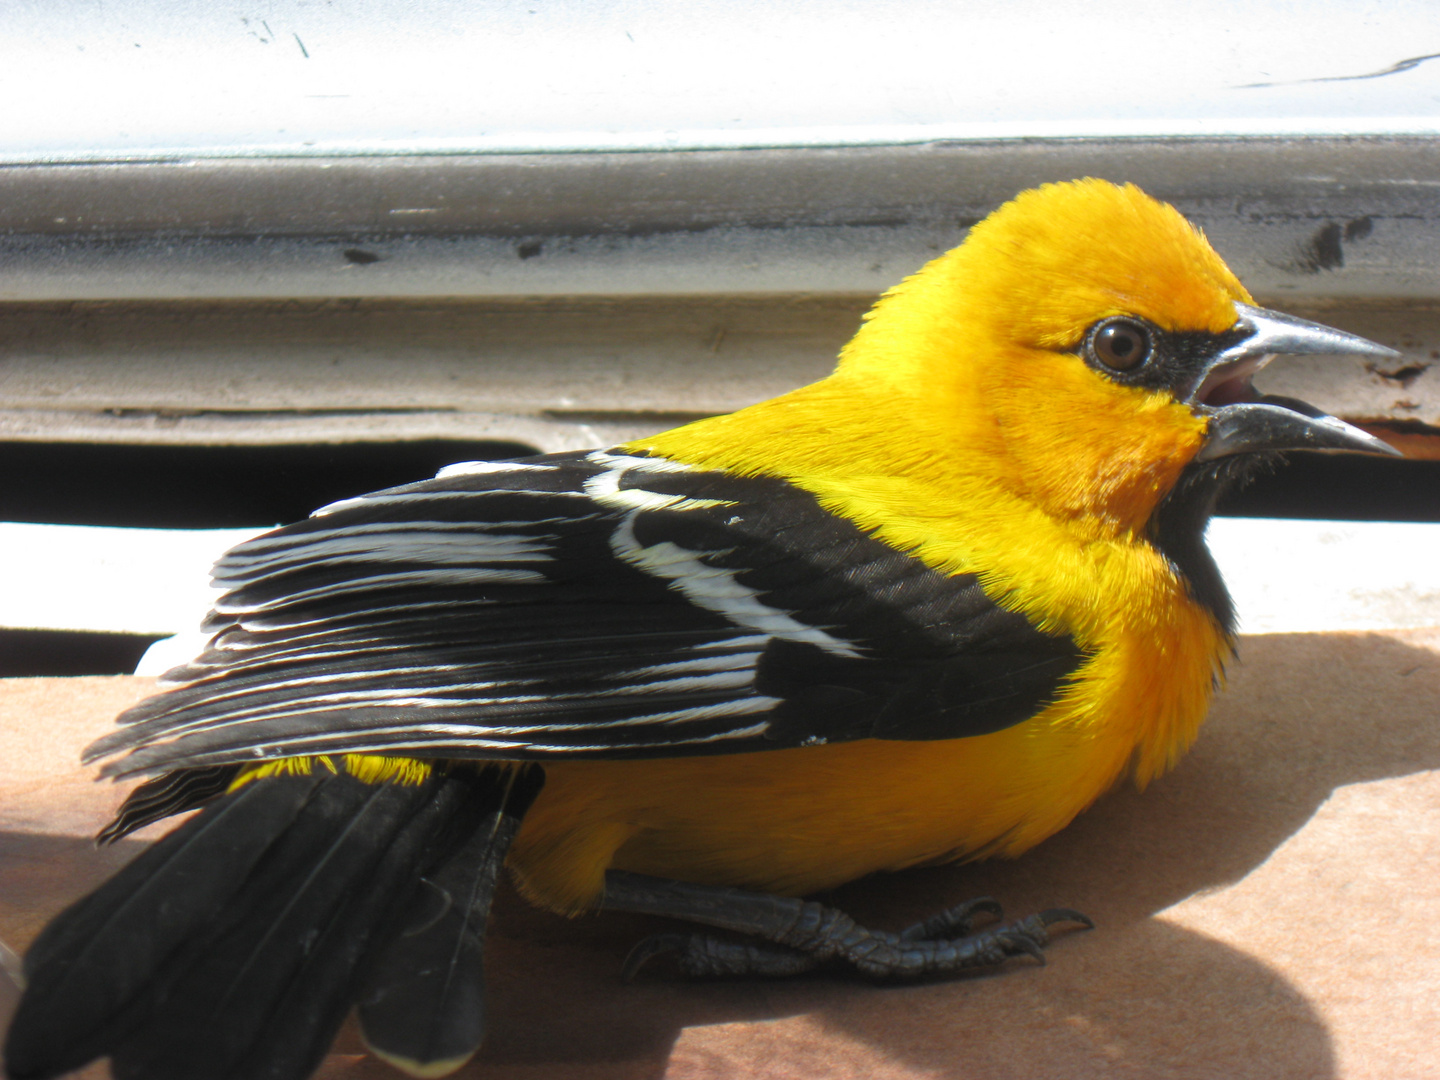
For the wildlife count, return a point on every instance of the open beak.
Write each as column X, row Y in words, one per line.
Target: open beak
column 1243, row 421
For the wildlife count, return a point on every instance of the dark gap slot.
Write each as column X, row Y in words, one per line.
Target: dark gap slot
column 198, row 487
column 230, row 486
column 211, row 487
column 1342, row 487
column 70, row 652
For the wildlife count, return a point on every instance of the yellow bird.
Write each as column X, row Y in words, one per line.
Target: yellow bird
column 926, row 609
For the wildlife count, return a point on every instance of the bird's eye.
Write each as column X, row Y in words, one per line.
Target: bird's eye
column 1120, row 344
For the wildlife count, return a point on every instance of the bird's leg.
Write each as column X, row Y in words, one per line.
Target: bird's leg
column 799, row 935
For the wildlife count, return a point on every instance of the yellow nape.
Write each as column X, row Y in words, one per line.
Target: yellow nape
column 367, row 768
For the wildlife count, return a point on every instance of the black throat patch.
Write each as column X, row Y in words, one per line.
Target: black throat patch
column 1177, row 527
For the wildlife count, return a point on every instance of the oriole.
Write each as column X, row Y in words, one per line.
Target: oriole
column 926, row 609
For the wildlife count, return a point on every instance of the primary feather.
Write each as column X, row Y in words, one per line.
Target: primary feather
column 597, row 605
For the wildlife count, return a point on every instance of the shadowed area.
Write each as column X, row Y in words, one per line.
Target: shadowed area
column 1267, row 910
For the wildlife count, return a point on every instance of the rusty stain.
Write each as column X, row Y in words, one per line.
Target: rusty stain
column 1359, row 228
column 1413, row 438
column 1404, row 376
column 1323, row 251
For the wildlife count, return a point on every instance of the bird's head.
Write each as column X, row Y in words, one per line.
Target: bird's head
column 1087, row 346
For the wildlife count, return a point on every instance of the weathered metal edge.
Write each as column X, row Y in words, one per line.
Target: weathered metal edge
column 1313, row 217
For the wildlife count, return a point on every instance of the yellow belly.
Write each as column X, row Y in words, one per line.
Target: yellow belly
column 797, row 821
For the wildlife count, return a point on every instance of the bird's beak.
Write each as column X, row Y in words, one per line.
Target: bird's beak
column 1243, row 421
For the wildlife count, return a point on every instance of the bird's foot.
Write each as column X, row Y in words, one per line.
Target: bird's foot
column 799, row 935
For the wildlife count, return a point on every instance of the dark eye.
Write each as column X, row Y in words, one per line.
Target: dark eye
column 1120, row 344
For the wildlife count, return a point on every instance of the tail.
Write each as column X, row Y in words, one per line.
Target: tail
column 233, row 948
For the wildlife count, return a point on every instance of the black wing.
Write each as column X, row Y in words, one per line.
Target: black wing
column 598, row 605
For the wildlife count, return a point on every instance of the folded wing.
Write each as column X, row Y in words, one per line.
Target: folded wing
column 599, row 605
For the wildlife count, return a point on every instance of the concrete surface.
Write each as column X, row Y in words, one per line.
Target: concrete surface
column 1271, row 910
column 1285, row 576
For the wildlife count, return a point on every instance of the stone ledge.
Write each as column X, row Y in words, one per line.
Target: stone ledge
column 1268, row 910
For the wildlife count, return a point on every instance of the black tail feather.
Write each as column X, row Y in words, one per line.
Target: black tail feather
column 86, row 970
column 233, row 948
column 423, row 1004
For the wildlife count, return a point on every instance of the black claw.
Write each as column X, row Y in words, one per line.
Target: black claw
column 962, row 913
column 1064, row 914
column 952, row 919
column 1021, row 942
column 647, row 949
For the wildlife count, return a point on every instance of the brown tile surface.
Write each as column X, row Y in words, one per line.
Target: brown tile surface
column 1271, row 909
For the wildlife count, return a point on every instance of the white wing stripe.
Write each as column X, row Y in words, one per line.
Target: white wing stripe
column 623, row 462
column 709, row 587
column 724, row 662
column 483, row 468
column 244, row 709
column 263, row 545
column 436, row 496
column 468, row 740
column 426, row 578
column 718, row 591
column 444, row 550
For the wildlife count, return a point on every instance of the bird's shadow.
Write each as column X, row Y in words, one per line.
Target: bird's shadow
column 1305, row 714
